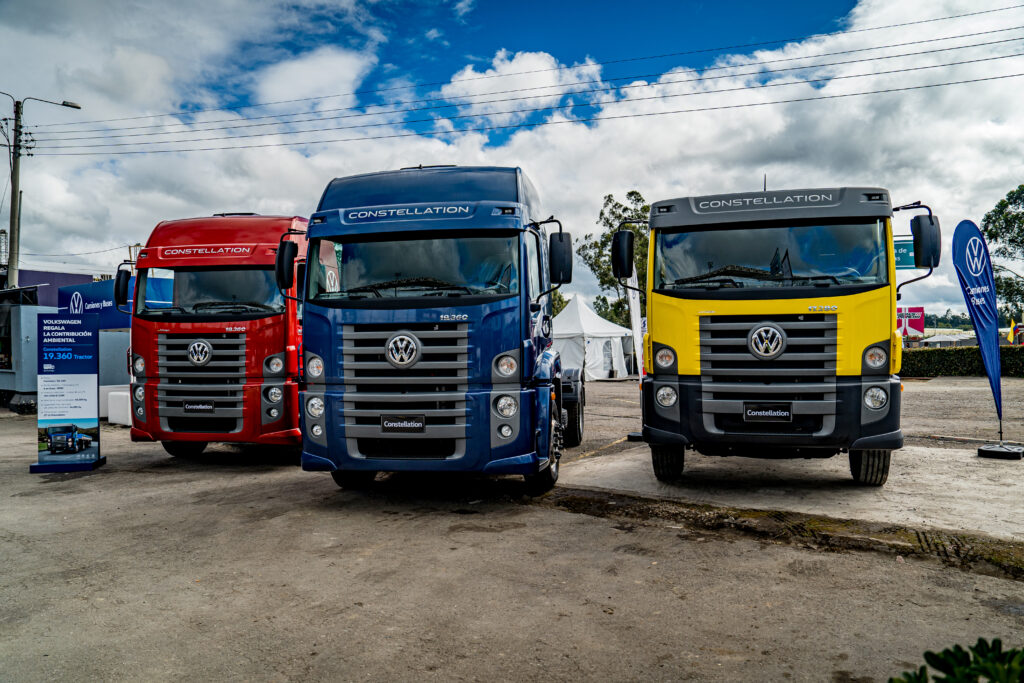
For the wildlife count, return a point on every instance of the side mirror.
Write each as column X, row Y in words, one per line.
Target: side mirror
column 560, row 258
column 121, row 281
column 284, row 267
column 927, row 241
column 622, row 254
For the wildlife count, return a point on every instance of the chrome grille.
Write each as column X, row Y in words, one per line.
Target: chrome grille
column 434, row 386
column 804, row 375
column 219, row 381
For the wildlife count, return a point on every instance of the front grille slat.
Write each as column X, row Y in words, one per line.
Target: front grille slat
column 219, row 381
column 804, row 375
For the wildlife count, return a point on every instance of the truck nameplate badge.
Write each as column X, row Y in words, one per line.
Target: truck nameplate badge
column 822, row 309
column 767, row 412
column 197, row 406
column 454, row 317
column 402, row 423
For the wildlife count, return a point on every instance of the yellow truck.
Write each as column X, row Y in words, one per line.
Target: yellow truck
column 771, row 326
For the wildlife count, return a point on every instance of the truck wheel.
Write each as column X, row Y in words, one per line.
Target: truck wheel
column 540, row 483
column 668, row 462
column 184, row 449
column 574, row 425
column 870, row 467
column 354, row 480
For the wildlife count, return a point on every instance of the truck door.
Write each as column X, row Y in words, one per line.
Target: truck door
column 540, row 319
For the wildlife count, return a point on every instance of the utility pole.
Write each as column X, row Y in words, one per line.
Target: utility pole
column 16, row 151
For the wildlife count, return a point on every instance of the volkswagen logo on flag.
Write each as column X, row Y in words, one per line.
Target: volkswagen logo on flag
column 76, row 305
column 975, row 256
column 199, row 352
column 402, row 350
column 766, row 342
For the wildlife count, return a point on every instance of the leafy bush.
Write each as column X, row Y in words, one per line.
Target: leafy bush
column 984, row 662
column 959, row 361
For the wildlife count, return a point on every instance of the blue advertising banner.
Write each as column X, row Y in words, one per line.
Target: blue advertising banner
column 974, row 270
column 68, row 393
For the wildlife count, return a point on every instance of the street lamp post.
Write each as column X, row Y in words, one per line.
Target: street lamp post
column 16, row 147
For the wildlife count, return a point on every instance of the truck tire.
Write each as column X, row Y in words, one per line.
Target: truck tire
column 184, row 449
column 573, row 430
column 354, row 480
column 870, row 467
column 540, row 483
column 668, row 462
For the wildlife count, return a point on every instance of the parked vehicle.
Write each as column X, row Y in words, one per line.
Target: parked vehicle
column 428, row 327
column 66, row 439
column 771, row 326
column 214, row 343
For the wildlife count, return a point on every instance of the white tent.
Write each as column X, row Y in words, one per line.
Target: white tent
column 586, row 340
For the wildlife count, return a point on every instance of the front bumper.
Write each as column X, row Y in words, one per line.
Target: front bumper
column 476, row 446
column 852, row 426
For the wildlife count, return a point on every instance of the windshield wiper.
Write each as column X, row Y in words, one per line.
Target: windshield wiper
column 164, row 309
column 833, row 278
column 422, row 282
column 722, row 281
column 233, row 304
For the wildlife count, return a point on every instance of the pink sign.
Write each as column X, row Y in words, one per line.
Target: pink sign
column 910, row 321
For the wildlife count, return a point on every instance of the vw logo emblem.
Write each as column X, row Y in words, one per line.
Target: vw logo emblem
column 199, row 352
column 402, row 350
column 76, row 306
column 975, row 256
column 766, row 342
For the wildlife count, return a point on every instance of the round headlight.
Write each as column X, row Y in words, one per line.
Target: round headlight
column 315, row 367
column 317, row 430
column 274, row 394
column 875, row 398
column 275, row 364
column 506, row 366
column 140, row 393
column 664, row 357
column 506, row 406
column 139, row 365
column 875, row 357
column 505, row 431
column 315, row 406
column 666, row 396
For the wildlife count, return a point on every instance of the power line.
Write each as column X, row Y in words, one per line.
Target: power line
column 532, row 110
column 703, row 77
column 538, row 124
column 81, row 253
column 560, row 68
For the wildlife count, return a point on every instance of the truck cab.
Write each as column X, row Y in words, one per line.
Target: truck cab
column 427, row 322
column 214, row 343
column 771, row 326
column 66, row 439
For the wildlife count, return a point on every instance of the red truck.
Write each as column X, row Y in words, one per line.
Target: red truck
column 214, row 344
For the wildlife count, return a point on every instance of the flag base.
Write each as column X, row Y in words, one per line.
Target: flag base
column 1001, row 451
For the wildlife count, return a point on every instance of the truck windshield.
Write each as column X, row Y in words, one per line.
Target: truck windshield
column 208, row 292
column 58, row 429
column 829, row 255
column 413, row 267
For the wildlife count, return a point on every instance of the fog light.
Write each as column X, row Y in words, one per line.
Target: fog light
column 506, row 406
column 139, row 365
column 315, row 406
column 140, row 393
column 140, row 411
column 505, row 431
column 664, row 358
column 274, row 413
column 317, row 430
column 275, row 365
column 507, row 366
column 666, row 397
column 875, row 357
column 274, row 394
column 875, row 398
column 315, row 367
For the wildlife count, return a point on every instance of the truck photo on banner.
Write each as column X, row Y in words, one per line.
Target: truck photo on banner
column 68, row 393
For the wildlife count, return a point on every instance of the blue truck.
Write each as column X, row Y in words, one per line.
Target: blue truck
column 427, row 328
column 66, row 439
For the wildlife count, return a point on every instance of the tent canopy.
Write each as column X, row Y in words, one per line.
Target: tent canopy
column 586, row 340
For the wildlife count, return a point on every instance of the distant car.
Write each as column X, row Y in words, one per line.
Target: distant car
column 66, row 439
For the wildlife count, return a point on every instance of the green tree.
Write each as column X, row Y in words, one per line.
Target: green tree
column 1004, row 229
column 558, row 302
column 595, row 252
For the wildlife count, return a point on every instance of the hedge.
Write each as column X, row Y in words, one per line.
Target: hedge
column 959, row 361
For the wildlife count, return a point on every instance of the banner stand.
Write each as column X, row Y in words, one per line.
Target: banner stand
column 973, row 266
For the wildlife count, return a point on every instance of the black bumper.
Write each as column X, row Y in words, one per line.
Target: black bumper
column 852, row 426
